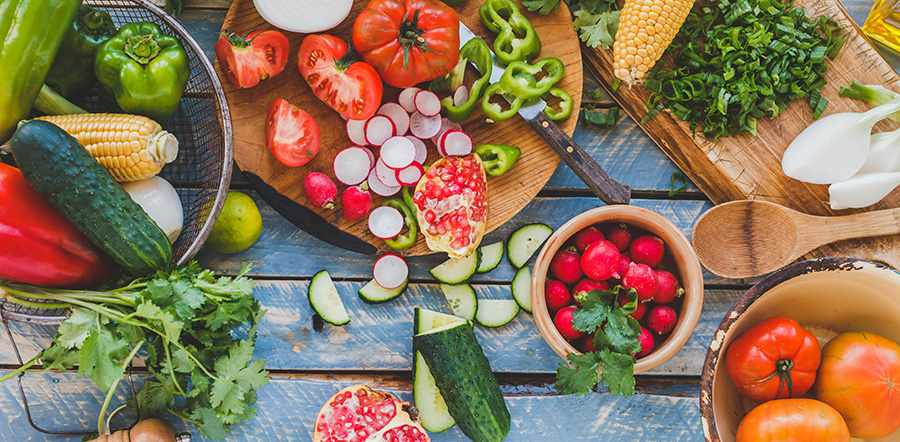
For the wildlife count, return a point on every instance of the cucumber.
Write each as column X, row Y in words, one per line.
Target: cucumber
column 455, row 271
column 525, row 241
column 426, row 320
column 463, row 376
column 74, row 183
column 521, row 288
column 490, row 256
column 496, row 312
column 372, row 293
column 324, row 299
column 461, row 299
column 433, row 411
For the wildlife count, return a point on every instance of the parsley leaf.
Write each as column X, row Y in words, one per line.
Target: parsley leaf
column 597, row 30
column 601, row 119
column 100, row 357
column 618, row 372
column 581, row 379
column 154, row 399
column 680, row 178
column 543, row 7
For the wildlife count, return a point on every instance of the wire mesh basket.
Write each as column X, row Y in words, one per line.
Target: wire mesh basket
column 202, row 123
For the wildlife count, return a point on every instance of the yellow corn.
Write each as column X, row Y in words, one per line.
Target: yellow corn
column 646, row 28
column 129, row 147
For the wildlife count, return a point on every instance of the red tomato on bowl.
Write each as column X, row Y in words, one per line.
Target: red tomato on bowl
column 247, row 59
column 291, row 134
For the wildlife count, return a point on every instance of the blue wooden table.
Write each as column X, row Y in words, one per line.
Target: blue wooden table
column 307, row 367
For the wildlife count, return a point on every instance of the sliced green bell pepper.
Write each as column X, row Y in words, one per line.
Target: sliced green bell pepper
column 498, row 158
column 516, row 38
column 142, row 71
column 566, row 105
column 72, row 72
column 477, row 52
column 494, row 110
column 403, row 240
column 520, row 80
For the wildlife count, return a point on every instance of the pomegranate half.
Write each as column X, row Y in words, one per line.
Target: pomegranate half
column 360, row 414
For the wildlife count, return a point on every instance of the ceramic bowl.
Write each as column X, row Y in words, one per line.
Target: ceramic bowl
column 680, row 260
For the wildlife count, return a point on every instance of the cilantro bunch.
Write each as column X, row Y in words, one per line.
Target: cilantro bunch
column 184, row 320
column 615, row 338
column 595, row 20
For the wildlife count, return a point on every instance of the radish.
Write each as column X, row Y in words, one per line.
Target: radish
column 319, row 190
column 423, row 127
column 461, row 96
column 351, row 166
column 557, row 295
column 624, row 263
column 356, row 202
column 398, row 116
column 390, row 271
column 646, row 341
column 641, row 278
column 455, row 142
column 370, row 155
column 421, row 149
column 385, row 174
column 397, row 153
column 385, row 222
column 410, row 175
column 638, row 312
column 647, row 249
column 563, row 322
column 585, row 285
column 661, row 319
column 427, row 103
column 566, row 266
column 586, row 344
column 600, row 260
column 586, row 237
column 356, row 131
column 445, row 126
column 408, row 98
column 620, row 235
column 669, row 288
column 380, row 188
column 378, row 129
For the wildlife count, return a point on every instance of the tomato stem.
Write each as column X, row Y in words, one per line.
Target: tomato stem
column 783, row 369
column 411, row 35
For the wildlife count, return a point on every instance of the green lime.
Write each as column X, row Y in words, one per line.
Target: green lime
column 238, row 226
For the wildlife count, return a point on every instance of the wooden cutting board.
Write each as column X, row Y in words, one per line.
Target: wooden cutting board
column 280, row 185
column 749, row 167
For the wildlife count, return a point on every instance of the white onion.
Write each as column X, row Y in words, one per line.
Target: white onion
column 160, row 200
column 304, row 16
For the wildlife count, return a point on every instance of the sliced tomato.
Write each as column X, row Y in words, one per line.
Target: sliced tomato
column 291, row 134
column 247, row 59
column 352, row 88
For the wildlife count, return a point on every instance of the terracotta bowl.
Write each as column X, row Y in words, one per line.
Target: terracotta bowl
column 680, row 260
column 826, row 296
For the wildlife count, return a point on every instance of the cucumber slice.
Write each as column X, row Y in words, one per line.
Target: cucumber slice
column 455, row 271
column 496, row 312
column 372, row 293
column 433, row 412
column 521, row 288
column 525, row 241
column 324, row 299
column 490, row 256
column 461, row 299
column 429, row 320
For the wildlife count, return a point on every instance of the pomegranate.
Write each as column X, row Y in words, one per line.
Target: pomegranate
column 360, row 414
column 451, row 205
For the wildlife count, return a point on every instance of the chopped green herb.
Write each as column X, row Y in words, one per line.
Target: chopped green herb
column 542, row 7
column 602, row 119
column 597, row 93
column 616, row 83
column 681, row 180
column 597, row 30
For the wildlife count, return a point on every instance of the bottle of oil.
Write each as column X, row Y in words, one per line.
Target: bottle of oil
column 883, row 23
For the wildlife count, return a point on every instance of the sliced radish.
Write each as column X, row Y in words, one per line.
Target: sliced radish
column 371, row 156
column 385, row 174
column 461, row 96
column 410, row 175
column 385, row 222
column 351, row 165
column 390, row 271
column 379, row 188
column 408, row 98
column 424, row 127
column 455, row 142
column 378, row 129
column 421, row 149
column 445, row 126
column 398, row 115
column 398, row 152
column 427, row 103
column 356, row 131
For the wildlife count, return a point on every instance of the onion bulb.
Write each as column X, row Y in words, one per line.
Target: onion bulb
column 304, row 16
column 160, row 200
column 862, row 190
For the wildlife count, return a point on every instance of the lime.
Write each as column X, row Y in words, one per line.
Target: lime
column 238, row 226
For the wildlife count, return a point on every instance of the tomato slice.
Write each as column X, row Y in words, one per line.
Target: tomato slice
column 247, row 59
column 352, row 88
column 291, row 134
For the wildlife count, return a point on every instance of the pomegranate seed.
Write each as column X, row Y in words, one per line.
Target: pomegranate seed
column 466, row 241
column 429, row 216
column 441, row 229
column 458, row 243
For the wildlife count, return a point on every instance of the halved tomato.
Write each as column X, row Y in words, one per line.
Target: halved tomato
column 255, row 56
column 291, row 134
column 352, row 88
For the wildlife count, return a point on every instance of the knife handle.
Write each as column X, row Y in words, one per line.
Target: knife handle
column 604, row 186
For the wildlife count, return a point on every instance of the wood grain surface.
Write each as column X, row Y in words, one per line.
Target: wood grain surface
column 507, row 194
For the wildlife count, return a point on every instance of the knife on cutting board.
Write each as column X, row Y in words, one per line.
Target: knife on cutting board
column 604, row 186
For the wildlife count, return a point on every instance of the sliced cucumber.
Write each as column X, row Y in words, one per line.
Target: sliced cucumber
column 490, row 256
column 521, row 288
column 525, row 241
column 324, row 299
column 461, row 299
column 430, row 320
column 372, row 293
column 496, row 312
column 455, row 271
column 433, row 412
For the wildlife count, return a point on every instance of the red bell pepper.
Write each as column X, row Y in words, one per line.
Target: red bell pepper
column 38, row 245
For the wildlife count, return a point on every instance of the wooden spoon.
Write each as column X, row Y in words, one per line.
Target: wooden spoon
column 743, row 239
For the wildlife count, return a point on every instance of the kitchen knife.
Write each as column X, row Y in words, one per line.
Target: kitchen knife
column 609, row 190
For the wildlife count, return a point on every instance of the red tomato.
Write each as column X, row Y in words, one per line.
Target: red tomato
column 353, row 89
column 776, row 358
column 253, row 57
column 408, row 41
column 793, row 420
column 291, row 134
column 860, row 378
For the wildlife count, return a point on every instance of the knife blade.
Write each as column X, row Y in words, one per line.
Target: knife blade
column 598, row 181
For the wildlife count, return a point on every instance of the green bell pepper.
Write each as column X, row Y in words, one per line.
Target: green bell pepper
column 31, row 32
column 142, row 71
column 72, row 72
column 520, row 80
column 477, row 52
column 407, row 240
column 498, row 158
column 566, row 105
column 516, row 38
column 494, row 110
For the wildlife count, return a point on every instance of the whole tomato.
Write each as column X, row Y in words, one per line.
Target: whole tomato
column 408, row 41
column 793, row 420
column 860, row 378
column 774, row 359
column 247, row 59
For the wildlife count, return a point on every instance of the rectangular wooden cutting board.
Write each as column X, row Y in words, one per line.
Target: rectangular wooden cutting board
column 749, row 167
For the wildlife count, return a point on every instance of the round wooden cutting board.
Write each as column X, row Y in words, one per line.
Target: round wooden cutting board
column 281, row 186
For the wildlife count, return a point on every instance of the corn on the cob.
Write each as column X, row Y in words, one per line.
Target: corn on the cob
column 646, row 28
column 129, row 147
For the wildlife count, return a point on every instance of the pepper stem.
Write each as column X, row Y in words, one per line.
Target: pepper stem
column 141, row 48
